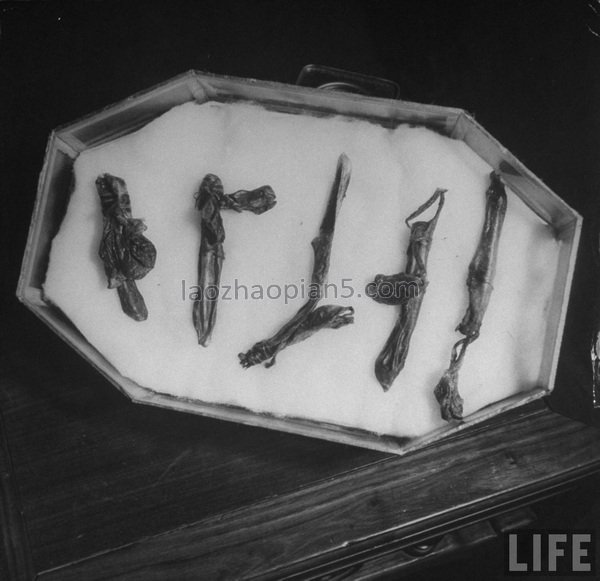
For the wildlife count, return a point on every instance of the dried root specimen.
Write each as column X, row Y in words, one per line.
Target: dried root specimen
column 483, row 266
column 210, row 199
column 211, row 255
column 406, row 290
column 304, row 324
column 479, row 282
column 310, row 319
column 126, row 253
column 446, row 391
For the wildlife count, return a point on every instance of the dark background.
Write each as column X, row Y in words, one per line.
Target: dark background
column 529, row 71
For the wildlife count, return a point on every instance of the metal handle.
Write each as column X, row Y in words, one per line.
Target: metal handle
column 331, row 79
column 431, row 550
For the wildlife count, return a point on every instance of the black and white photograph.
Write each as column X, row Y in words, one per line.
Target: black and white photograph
column 303, row 290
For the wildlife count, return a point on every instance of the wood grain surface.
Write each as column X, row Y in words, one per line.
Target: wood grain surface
column 370, row 505
column 112, row 490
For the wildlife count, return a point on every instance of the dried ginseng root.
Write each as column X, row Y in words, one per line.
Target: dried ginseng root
column 405, row 290
column 309, row 319
column 126, row 253
column 210, row 199
column 479, row 282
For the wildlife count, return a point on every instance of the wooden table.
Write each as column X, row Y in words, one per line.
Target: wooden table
column 94, row 487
